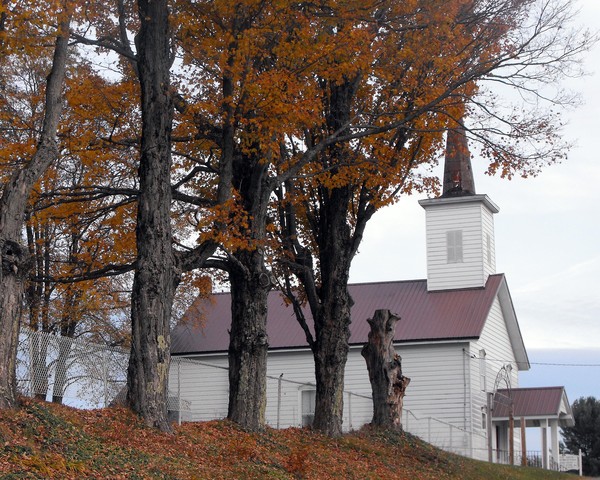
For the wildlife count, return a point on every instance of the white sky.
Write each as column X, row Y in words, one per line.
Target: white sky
column 547, row 232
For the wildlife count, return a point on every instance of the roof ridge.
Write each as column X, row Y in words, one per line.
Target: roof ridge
column 557, row 387
column 380, row 282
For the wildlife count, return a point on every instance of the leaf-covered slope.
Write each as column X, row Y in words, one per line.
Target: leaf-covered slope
column 54, row 442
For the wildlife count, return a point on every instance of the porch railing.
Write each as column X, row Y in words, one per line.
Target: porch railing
column 533, row 459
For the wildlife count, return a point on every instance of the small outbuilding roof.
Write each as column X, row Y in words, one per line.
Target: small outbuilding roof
column 534, row 404
column 424, row 316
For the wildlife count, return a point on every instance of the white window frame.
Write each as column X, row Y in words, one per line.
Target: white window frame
column 307, row 414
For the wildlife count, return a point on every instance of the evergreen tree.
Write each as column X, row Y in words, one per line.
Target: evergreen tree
column 585, row 435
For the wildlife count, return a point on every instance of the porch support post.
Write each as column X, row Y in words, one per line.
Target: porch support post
column 523, row 442
column 554, row 441
column 544, row 427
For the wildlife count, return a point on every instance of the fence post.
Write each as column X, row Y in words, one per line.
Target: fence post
column 178, row 391
column 279, row 399
column 350, row 410
column 490, row 406
column 428, row 429
column 105, row 377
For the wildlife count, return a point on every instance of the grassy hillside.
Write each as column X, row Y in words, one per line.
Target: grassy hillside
column 53, row 442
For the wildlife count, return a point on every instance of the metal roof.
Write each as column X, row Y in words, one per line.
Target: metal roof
column 424, row 316
column 541, row 402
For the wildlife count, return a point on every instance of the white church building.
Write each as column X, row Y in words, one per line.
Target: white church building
column 458, row 337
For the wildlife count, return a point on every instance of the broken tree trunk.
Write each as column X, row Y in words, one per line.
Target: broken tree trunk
column 388, row 385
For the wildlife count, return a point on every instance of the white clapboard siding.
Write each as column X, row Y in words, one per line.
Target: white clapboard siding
column 436, row 389
column 298, row 374
column 475, row 220
column 444, row 387
column 201, row 382
column 358, row 404
column 495, row 340
column 297, row 368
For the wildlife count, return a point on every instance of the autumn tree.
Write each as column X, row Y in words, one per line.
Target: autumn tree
column 93, row 227
column 77, row 215
column 156, row 273
column 16, row 190
column 148, row 188
column 255, row 58
column 339, row 103
column 421, row 67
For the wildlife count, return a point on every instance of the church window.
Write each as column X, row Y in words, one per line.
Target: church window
column 307, row 400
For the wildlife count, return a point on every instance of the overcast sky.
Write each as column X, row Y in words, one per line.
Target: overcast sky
column 547, row 244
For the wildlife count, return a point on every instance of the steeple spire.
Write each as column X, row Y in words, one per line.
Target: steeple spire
column 458, row 174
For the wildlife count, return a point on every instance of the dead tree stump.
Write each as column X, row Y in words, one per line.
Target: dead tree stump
column 385, row 371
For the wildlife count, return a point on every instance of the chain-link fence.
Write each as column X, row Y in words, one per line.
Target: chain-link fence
column 76, row 372
column 88, row 375
column 444, row 435
column 199, row 391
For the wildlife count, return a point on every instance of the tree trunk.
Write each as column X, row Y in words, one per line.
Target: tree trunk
column 11, row 300
column 60, row 371
column 13, row 203
column 248, row 343
column 250, row 285
column 332, row 319
column 331, row 353
column 68, row 324
column 388, row 385
column 156, row 273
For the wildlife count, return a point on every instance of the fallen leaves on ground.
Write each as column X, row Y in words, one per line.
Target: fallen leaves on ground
column 47, row 441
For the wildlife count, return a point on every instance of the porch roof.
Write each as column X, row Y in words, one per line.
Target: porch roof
column 533, row 404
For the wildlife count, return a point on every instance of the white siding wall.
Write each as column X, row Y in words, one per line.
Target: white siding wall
column 496, row 343
column 487, row 219
column 439, row 389
column 358, row 405
column 298, row 370
column 476, row 222
column 204, row 383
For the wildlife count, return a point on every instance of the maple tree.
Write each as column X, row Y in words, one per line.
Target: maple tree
column 255, row 59
column 100, row 138
column 17, row 189
column 81, row 224
column 158, row 267
column 73, row 226
column 334, row 106
column 284, row 127
column 421, row 71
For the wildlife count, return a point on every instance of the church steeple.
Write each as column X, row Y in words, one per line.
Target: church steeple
column 458, row 174
column 460, row 224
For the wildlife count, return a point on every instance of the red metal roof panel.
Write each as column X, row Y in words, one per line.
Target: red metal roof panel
column 448, row 314
column 528, row 402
